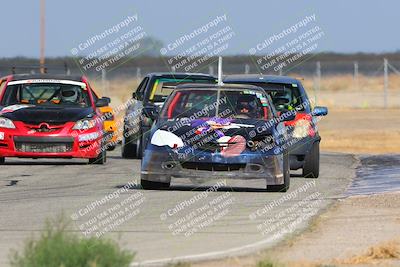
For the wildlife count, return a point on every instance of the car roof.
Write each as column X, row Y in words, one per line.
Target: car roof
column 180, row 75
column 17, row 77
column 256, row 78
column 218, row 86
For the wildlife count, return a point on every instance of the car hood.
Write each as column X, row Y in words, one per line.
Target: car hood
column 37, row 114
column 216, row 128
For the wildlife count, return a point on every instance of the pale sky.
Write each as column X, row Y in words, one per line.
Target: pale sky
column 349, row 26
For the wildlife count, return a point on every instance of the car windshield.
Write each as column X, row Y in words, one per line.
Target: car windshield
column 163, row 87
column 223, row 103
column 284, row 96
column 54, row 94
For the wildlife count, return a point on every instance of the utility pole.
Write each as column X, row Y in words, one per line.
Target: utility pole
column 246, row 69
column 355, row 77
column 138, row 73
column 42, row 34
column 220, row 83
column 104, row 81
column 211, row 70
column 317, row 82
column 385, row 83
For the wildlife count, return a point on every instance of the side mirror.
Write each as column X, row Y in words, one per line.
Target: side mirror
column 107, row 98
column 103, row 102
column 320, row 111
column 151, row 112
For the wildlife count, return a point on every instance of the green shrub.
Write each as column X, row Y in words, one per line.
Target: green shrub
column 268, row 263
column 58, row 247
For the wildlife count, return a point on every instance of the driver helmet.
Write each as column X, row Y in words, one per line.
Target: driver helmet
column 70, row 95
column 246, row 104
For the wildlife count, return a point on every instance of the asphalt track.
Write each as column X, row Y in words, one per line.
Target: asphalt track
column 184, row 222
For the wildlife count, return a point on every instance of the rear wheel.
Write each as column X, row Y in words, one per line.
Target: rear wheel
column 311, row 162
column 149, row 185
column 286, row 177
column 100, row 159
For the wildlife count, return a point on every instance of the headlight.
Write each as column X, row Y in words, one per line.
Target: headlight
column 84, row 124
column 88, row 137
column 6, row 123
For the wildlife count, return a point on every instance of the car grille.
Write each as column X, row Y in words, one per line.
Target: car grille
column 206, row 166
column 44, row 127
column 43, row 145
column 209, row 147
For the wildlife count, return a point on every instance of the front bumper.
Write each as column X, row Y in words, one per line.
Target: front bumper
column 61, row 144
column 161, row 164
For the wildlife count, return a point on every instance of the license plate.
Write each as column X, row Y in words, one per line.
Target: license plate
column 44, row 148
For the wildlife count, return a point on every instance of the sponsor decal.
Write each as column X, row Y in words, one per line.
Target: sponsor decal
column 13, row 108
column 81, row 84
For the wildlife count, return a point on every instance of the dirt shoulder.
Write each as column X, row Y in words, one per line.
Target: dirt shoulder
column 357, row 231
column 364, row 131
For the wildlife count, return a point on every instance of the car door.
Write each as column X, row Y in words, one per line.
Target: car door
column 133, row 114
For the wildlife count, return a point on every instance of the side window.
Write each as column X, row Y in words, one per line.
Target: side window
column 141, row 88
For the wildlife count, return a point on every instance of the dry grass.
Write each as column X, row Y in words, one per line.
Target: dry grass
column 348, row 83
column 356, row 122
column 343, row 86
column 385, row 251
column 361, row 131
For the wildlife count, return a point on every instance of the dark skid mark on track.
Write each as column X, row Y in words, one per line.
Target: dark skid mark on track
column 377, row 174
column 13, row 182
column 43, row 163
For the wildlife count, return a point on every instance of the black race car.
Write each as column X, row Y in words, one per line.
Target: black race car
column 288, row 94
column 151, row 92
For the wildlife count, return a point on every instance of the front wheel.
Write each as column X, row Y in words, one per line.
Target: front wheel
column 111, row 148
column 149, row 185
column 128, row 148
column 311, row 162
column 286, row 177
column 139, row 147
column 2, row 160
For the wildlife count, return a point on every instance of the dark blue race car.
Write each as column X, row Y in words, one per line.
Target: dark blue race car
column 289, row 95
column 219, row 131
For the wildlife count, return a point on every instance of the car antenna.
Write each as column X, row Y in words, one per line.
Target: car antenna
column 220, row 71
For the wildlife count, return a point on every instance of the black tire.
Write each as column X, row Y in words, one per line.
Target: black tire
column 149, row 185
column 111, row 148
column 2, row 160
column 139, row 147
column 311, row 162
column 286, row 177
column 128, row 148
column 100, row 159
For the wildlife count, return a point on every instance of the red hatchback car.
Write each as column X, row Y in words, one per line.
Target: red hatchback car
column 50, row 116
